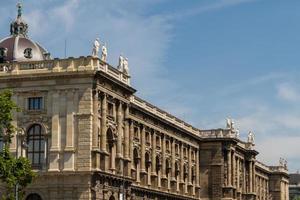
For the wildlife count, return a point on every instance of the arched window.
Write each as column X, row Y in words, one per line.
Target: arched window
column 36, row 146
column 34, row 197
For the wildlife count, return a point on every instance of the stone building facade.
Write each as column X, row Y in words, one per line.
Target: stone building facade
column 90, row 137
column 294, row 187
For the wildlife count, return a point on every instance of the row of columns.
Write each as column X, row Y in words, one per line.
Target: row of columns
column 262, row 188
column 234, row 164
column 125, row 129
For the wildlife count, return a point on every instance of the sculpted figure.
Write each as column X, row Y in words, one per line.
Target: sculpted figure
column 104, row 53
column 237, row 133
column 251, row 137
column 96, row 47
column 285, row 164
column 126, row 67
column 228, row 123
column 281, row 162
column 121, row 63
column 5, row 69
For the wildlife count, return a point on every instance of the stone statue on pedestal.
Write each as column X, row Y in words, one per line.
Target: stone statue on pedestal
column 251, row 137
column 121, row 63
column 126, row 67
column 96, row 47
column 104, row 53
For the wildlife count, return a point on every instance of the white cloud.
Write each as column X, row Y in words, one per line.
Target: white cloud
column 288, row 92
column 272, row 148
column 215, row 6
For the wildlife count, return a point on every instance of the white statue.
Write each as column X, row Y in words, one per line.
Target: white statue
column 228, row 123
column 121, row 63
column 251, row 137
column 125, row 66
column 281, row 162
column 237, row 133
column 5, row 68
column 96, row 47
column 285, row 164
column 104, row 53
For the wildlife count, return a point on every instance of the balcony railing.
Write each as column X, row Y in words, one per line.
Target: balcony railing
column 62, row 65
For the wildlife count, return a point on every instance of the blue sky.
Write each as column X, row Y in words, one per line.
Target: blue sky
column 201, row 60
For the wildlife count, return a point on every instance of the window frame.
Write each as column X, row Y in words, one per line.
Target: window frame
column 31, row 104
column 37, row 137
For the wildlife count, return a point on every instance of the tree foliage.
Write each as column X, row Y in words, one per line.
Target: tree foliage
column 13, row 171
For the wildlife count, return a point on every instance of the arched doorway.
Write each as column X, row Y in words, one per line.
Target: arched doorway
column 112, row 197
column 33, row 196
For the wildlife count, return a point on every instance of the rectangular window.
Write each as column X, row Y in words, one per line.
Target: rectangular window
column 35, row 103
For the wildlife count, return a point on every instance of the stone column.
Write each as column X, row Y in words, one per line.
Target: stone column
column 113, row 159
column 131, row 132
column 173, row 161
column 233, row 169
column 159, row 178
column 244, row 170
column 181, row 164
column 190, row 166
column 149, row 175
column 163, row 157
column 138, row 178
column 69, row 149
column 250, row 177
column 229, row 167
column 120, row 130
column 238, row 174
column 253, row 177
column 55, row 138
column 143, row 150
column 103, row 123
column 126, row 138
column 95, row 118
column 197, row 168
column 153, row 154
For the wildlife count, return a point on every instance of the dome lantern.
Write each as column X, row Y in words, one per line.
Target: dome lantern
column 18, row 47
column 19, row 26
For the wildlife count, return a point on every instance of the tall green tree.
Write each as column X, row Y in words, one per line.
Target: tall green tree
column 14, row 172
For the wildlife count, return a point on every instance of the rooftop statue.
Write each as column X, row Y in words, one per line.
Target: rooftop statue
column 121, row 63
column 104, row 53
column 126, row 67
column 229, row 123
column 96, row 47
column 251, row 137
